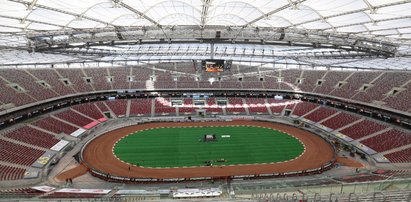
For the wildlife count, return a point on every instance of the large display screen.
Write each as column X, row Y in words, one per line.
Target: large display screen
column 213, row 65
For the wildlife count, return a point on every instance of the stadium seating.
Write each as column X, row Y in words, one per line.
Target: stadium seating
column 140, row 107
column 119, row 107
column 163, row 106
column 212, row 106
column 303, row 108
column 235, row 105
column 32, row 136
column 310, row 80
column 403, row 156
column 102, row 106
column 74, row 118
column 191, row 110
column 256, row 105
column 29, row 83
column 53, row 125
column 120, row 77
column 99, row 78
column 340, row 120
column 331, row 80
column 252, row 83
column 362, row 129
column 18, row 154
column 320, row 114
column 53, row 79
column 388, row 140
column 11, row 173
column 186, row 83
column 382, row 86
column 274, row 107
column 76, row 77
column 354, row 83
column 8, row 95
column 89, row 109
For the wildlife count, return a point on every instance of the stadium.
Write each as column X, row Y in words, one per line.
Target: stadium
column 205, row 100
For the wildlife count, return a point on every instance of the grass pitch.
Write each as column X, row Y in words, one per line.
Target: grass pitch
column 184, row 146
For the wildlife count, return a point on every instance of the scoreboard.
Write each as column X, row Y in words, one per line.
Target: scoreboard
column 213, row 65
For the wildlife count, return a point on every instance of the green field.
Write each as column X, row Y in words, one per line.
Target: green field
column 183, row 146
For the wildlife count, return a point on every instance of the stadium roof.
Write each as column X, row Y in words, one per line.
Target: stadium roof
column 104, row 30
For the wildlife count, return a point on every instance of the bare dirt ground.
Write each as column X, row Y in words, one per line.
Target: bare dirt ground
column 345, row 161
column 72, row 173
column 99, row 154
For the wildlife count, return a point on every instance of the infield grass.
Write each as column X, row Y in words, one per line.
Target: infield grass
column 183, row 146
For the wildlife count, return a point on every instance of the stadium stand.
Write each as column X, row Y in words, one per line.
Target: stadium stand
column 99, row 78
column 358, row 130
column 186, row 109
column 340, row 120
column 382, row 86
column 32, row 136
column 212, row 106
column 256, row 105
column 89, row 109
column 120, row 77
column 140, row 107
column 388, row 140
column 320, row 114
column 52, row 78
column 310, row 79
column 18, row 154
column 9, row 95
column 354, row 83
column 331, row 80
column 274, row 107
column 74, row 118
column 77, row 78
column 303, row 107
column 28, row 83
column 11, row 173
column 163, row 106
column 53, row 125
column 403, row 156
column 119, row 107
column 236, row 105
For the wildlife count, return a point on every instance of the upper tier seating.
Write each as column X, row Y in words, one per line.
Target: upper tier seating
column 98, row 78
column 74, row 118
column 310, row 79
column 11, row 173
column 77, row 78
column 32, row 136
column 56, row 126
column 354, row 83
column 320, row 114
column 120, row 77
column 28, row 82
column 256, row 105
column 53, row 79
column 340, row 120
column 363, row 128
column 331, row 80
column 9, row 95
column 42, row 84
column 382, row 86
column 388, row 140
column 303, row 108
column 18, row 154
column 140, row 107
column 119, row 107
column 89, row 109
